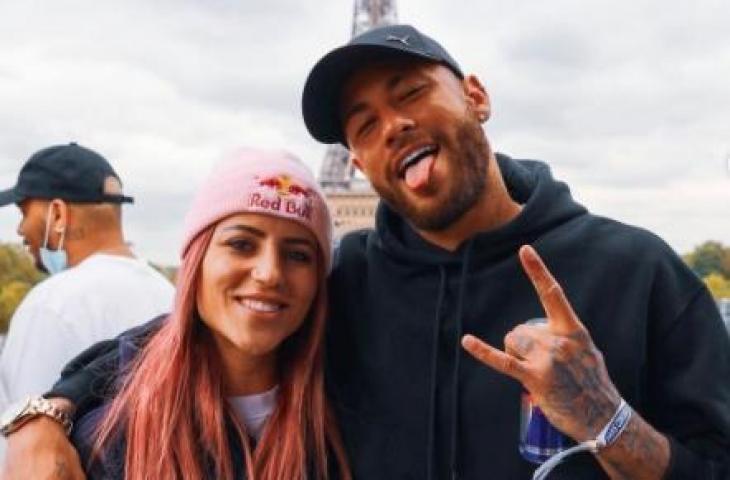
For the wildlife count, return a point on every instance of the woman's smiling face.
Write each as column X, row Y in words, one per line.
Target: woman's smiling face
column 258, row 280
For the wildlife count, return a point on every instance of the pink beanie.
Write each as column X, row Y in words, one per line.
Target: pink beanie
column 261, row 181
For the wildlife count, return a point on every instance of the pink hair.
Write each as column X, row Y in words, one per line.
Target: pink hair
column 172, row 407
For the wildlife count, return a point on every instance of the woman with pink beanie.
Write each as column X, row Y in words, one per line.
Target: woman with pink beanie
column 230, row 384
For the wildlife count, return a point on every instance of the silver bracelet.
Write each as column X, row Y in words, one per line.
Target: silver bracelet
column 613, row 429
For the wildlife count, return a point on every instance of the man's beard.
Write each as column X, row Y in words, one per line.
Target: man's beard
column 467, row 173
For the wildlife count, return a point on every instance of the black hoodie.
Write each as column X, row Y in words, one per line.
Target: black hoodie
column 413, row 406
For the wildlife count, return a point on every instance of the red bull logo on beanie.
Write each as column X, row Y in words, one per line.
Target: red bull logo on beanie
column 282, row 195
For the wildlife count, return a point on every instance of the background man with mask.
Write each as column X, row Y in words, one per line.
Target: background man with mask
column 70, row 199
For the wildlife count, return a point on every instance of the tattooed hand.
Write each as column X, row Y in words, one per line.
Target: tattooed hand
column 566, row 376
column 555, row 361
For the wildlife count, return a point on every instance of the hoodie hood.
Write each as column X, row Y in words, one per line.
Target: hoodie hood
column 546, row 204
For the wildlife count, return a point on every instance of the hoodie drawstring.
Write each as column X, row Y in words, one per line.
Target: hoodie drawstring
column 434, row 371
column 455, row 410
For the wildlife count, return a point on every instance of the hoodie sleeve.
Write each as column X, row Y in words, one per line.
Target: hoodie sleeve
column 85, row 379
column 88, row 378
column 689, row 385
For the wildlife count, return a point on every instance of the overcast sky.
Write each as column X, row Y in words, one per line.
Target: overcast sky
column 629, row 101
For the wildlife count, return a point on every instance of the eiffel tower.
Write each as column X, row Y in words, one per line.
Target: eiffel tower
column 337, row 172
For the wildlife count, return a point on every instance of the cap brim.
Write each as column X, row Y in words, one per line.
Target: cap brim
column 9, row 196
column 117, row 199
column 323, row 88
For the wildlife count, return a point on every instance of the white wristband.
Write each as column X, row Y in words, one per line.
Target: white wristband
column 608, row 435
column 614, row 427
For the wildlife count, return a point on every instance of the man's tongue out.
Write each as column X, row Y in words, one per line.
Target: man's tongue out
column 418, row 174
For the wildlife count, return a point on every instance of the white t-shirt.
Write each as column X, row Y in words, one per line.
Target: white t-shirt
column 68, row 312
column 253, row 410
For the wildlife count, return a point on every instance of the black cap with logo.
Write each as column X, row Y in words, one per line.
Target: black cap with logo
column 69, row 172
column 322, row 90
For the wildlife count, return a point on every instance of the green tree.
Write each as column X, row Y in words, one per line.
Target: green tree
column 710, row 257
column 17, row 277
column 718, row 285
column 11, row 294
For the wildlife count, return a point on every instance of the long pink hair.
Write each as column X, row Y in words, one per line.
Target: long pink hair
column 172, row 409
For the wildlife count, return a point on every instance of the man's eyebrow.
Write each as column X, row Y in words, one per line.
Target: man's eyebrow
column 352, row 111
column 394, row 81
column 360, row 107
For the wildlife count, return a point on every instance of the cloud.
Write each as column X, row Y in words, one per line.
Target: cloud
column 627, row 101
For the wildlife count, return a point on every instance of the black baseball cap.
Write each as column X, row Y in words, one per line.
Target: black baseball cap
column 69, row 172
column 322, row 90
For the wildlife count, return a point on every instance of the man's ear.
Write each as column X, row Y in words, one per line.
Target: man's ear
column 477, row 97
column 59, row 215
column 356, row 161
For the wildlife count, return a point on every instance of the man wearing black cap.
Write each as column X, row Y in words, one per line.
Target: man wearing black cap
column 632, row 360
column 50, row 181
column 70, row 199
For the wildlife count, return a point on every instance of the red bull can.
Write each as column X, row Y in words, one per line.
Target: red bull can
column 539, row 440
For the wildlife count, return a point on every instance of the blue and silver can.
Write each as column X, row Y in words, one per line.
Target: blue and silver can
column 539, row 440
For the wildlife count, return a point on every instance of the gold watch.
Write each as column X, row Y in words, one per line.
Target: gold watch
column 17, row 414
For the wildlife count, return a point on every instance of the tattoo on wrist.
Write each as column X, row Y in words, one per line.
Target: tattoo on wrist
column 643, row 448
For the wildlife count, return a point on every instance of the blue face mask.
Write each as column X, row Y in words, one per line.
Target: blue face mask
column 53, row 261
